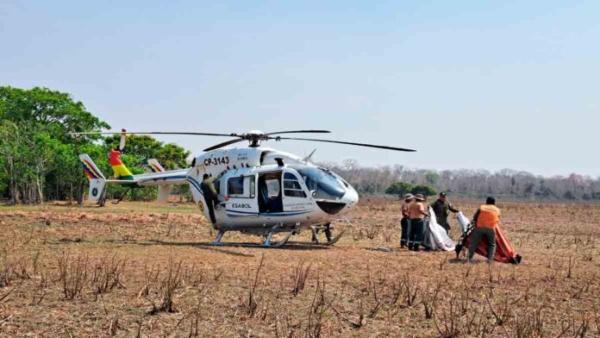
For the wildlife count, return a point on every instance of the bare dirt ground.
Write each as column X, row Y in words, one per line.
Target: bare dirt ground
column 145, row 269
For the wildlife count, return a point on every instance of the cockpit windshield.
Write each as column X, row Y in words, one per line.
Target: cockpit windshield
column 322, row 183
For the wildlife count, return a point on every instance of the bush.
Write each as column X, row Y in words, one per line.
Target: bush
column 423, row 189
column 399, row 188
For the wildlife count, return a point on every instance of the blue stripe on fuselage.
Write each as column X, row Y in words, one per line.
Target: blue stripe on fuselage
column 276, row 214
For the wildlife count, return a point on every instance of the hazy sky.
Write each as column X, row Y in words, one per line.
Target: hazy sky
column 470, row 84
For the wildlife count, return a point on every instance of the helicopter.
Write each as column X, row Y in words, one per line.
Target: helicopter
column 259, row 190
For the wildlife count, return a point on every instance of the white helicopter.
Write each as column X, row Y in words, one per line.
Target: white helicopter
column 254, row 189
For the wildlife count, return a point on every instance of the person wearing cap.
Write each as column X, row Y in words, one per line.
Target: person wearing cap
column 417, row 214
column 441, row 207
column 408, row 199
column 486, row 220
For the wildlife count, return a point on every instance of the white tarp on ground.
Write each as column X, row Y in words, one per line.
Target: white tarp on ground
column 436, row 237
column 463, row 221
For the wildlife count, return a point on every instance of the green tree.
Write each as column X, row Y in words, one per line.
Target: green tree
column 399, row 188
column 37, row 145
column 423, row 189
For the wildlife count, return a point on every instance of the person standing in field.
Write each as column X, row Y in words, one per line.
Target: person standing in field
column 408, row 199
column 417, row 214
column 486, row 220
column 441, row 207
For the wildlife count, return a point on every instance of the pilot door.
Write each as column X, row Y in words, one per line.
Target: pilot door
column 294, row 194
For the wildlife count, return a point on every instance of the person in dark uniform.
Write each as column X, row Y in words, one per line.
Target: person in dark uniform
column 210, row 195
column 408, row 199
column 441, row 207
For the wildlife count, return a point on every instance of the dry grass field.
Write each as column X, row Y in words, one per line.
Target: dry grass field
column 145, row 269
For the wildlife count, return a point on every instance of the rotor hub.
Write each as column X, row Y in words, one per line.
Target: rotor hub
column 254, row 137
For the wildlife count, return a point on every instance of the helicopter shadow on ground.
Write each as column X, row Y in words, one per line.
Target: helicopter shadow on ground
column 205, row 246
column 222, row 247
column 396, row 250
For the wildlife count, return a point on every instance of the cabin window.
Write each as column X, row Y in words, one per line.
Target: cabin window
column 242, row 186
column 235, row 186
column 292, row 187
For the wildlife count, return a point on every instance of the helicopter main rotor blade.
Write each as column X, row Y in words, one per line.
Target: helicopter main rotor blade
column 299, row 131
column 342, row 142
column 223, row 144
column 153, row 133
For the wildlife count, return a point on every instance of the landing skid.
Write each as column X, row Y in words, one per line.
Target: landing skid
column 269, row 243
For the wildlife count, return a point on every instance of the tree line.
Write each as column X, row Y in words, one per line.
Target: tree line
column 505, row 183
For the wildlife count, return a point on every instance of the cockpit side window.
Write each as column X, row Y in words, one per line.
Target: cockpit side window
column 322, row 183
column 291, row 186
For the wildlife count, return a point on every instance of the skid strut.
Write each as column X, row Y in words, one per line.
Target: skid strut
column 269, row 237
column 217, row 240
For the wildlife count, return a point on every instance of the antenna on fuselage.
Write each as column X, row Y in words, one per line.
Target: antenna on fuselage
column 309, row 156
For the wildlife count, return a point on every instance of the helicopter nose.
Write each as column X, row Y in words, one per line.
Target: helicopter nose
column 340, row 206
column 350, row 198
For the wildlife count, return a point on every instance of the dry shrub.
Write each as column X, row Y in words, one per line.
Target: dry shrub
column 194, row 323
column 250, row 305
column 410, row 291
column 284, row 325
column 12, row 269
column 446, row 320
column 40, row 290
column 372, row 297
column 301, row 272
column 502, row 312
column 372, row 232
column 72, row 274
column 5, row 295
column 193, row 276
column 317, row 310
column 113, row 327
column 570, row 266
column 529, row 323
column 357, row 235
column 429, row 300
column 387, row 236
column 150, row 278
column 6, row 275
column 168, row 285
column 107, row 274
column 193, row 319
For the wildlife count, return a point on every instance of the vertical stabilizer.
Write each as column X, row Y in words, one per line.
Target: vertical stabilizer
column 96, row 178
